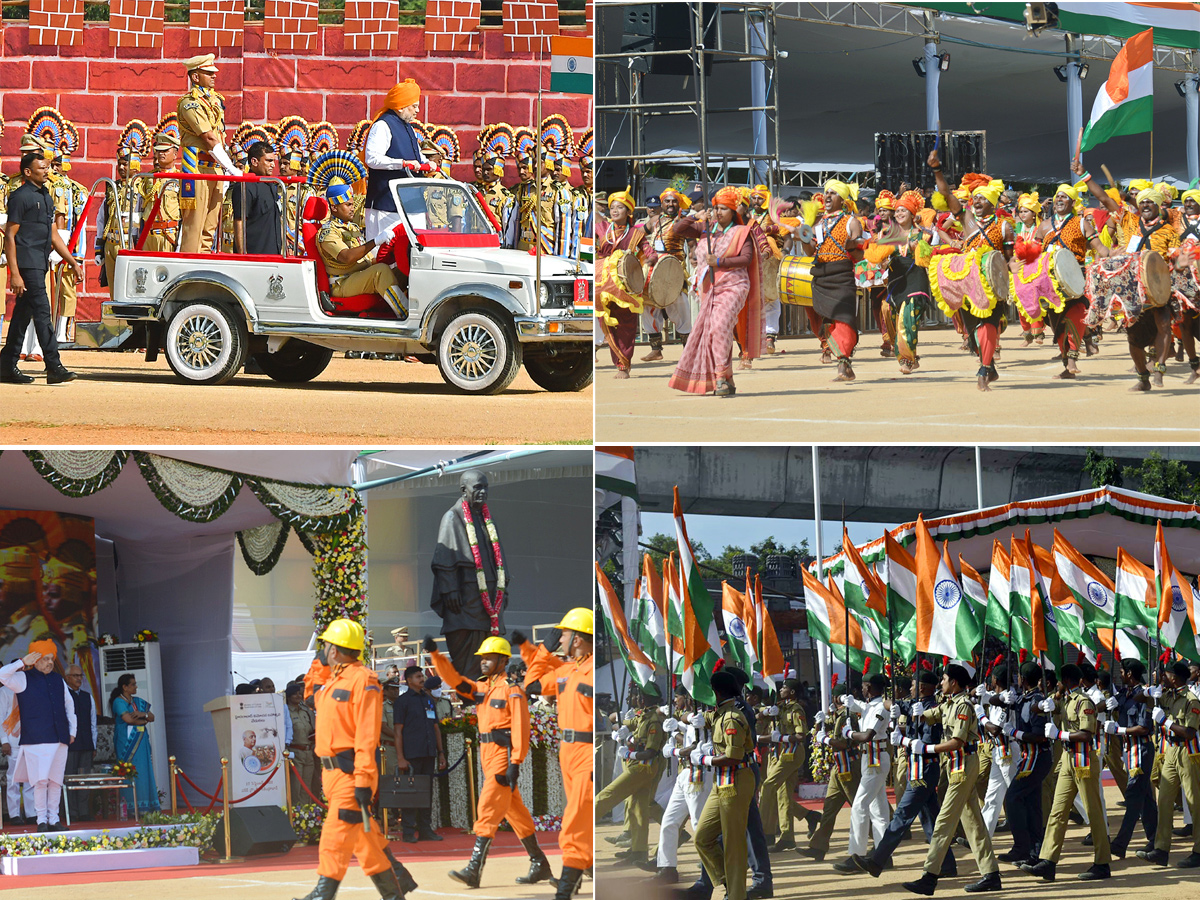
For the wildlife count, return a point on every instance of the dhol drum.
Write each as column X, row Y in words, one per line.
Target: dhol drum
column 795, row 280
column 665, row 282
column 770, row 278
column 1129, row 283
column 620, row 276
column 1046, row 284
column 1186, row 287
column 976, row 281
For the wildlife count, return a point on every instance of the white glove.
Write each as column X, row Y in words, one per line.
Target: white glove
column 847, row 730
column 772, row 710
column 623, row 733
column 668, row 751
column 696, row 756
column 218, row 153
column 979, row 713
column 697, row 720
column 826, row 740
column 1160, row 715
column 616, row 736
column 985, row 697
column 1008, row 696
column 855, row 705
column 1155, row 691
column 1048, row 705
column 1009, row 729
column 387, row 234
column 1111, row 703
column 895, row 717
column 1052, row 732
column 918, row 708
column 670, row 725
column 708, row 748
column 776, row 736
column 896, row 738
column 819, row 736
column 623, row 753
column 916, row 747
column 99, row 257
column 665, row 710
column 1167, row 724
column 1096, row 695
column 55, row 259
column 1111, row 727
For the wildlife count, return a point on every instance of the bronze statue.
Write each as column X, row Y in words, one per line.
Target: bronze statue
column 470, row 583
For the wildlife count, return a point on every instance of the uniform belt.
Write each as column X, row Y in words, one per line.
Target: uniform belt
column 501, row 736
column 343, row 761
column 570, row 736
column 970, row 748
column 733, row 766
column 299, row 746
column 881, row 745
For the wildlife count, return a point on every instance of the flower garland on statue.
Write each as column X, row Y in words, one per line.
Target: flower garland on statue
column 492, row 607
column 339, row 575
column 146, row 636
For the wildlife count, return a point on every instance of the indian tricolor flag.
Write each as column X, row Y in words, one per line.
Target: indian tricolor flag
column 614, row 471
column 974, row 586
column 738, row 627
column 1176, row 612
column 700, row 638
column 640, row 667
column 1135, row 607
column 767, row 641
column 899, row 572
column 648, row 626
column 571, row 65
column 827, row 621
column 1125, row 104
column 946, row 626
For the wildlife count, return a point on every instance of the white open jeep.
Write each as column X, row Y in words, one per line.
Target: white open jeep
column 478, row 310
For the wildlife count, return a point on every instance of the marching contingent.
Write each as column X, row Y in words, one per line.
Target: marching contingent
column 991, row 704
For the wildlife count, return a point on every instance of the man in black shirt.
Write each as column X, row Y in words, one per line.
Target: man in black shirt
column 29, row 236
column 418, row 742
column 257, row 229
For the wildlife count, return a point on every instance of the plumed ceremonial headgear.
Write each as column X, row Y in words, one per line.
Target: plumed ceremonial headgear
column 324, row 138
column 336, row 165
column 134, row 143
column 338, row 191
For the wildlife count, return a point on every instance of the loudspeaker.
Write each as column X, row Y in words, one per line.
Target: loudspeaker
column 255, row 830
column 668, row 26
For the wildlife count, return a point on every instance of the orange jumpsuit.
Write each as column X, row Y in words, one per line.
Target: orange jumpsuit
column 349, row 713
column 503, row 712
column 571, row 682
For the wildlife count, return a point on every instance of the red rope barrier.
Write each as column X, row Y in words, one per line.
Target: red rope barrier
column 257, row 789
column 214, row 799
column 292, row 763
column 197, row 787
column 179, row 789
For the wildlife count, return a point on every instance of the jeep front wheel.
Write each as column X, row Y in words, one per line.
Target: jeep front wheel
column 561, row 372
column 477, row 354
column 206, row 343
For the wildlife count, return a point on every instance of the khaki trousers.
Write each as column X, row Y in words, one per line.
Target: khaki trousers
column 961, row 803
column 200, row 224
column 67, row 297
column 775, row 801
column 635, row 784
column 1068, row 783
column 725, row 813
column 841, row 791
column 1179, row 772
column 377, row 279
column 1116, row 763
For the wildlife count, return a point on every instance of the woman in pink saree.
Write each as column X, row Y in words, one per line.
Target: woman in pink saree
column 727, row 279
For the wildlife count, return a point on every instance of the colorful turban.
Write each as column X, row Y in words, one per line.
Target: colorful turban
column 625, row 198
column 744, row 194
column 46, row 648
column 885, row 200
column 1190, row 195
column 338, row 191
column 729, row 198
column 684, row 202
column 760, row 191
column 990, row 191
column 1168, row 191
column 1151, row 193
column 843, row 190
column 912, row 201
column 1031, row 202
column 1138, row 185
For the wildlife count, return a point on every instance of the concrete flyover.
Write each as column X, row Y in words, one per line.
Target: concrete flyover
column 877, row 484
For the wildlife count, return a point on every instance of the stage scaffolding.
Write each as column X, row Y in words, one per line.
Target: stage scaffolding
column 743, row 38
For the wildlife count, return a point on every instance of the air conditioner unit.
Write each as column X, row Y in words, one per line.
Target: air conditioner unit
column 143, row 661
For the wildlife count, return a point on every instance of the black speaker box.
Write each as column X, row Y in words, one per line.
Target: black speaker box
column 660, row 27
column 255, row 830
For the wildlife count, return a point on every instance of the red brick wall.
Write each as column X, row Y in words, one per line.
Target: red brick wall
column 101, row 87
column 528, row 24
column 452, row 24
column 290, row 26
column 135, row 23
column 55, row 22
column 216, row 23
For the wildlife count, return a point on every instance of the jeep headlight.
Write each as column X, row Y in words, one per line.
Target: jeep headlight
column 544, row 295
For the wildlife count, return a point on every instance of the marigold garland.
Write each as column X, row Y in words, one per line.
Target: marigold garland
column 821, row 761
column 340, row 574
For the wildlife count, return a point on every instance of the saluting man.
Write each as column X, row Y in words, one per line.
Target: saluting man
column 570, row 683
column 503, row 712
column 201, row 114
column 349, row 705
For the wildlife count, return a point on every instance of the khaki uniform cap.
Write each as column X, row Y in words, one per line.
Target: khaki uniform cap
column 205, row 63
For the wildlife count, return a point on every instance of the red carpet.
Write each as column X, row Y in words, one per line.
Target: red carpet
column 455, row 845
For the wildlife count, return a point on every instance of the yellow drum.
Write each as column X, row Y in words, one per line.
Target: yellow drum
column 795, row 280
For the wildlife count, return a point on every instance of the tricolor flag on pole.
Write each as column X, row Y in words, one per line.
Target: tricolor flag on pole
column 945, row 625
column 733, row 612
column 1176, row 612
column 1135, row 601
column 1125, row 104
column 647, row 627
column 864, row 592
column 701, row 640
column 769, row 654
column 998, row 592
column 571, row 65
column 899, row 573
column 827, row 623
column 614, row 471
column 640, row 667
column 975, row 588
column 1090, row 587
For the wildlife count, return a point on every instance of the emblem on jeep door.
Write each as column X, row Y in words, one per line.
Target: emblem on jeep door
column 275, row 287
column 139, row 278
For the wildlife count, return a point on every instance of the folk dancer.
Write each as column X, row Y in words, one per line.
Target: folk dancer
column 727, row 279
column 908, row 277
column 1026, row 224
column 760, row 215
column 1187, row 281
column 664, row 241
column 617, row 309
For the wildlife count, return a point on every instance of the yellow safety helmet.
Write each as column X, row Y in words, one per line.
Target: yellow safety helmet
column 494, row 645
column 345, row 633
column 578, row 619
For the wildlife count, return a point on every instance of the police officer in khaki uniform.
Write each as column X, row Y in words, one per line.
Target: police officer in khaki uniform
column 641, row 738
column 303, row 728
column 201, row 113
column 960, row 746
column 344, row 250
column 843, row 776
column 114, row 219
column 727, row 808
column 163, row 236
column 1177, row 717
column 1078, row 772
column 783, row 767
column 70, row 197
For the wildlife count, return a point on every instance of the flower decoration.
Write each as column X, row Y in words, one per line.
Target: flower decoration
column 822, row 757
column 108, row 639
column 543, row 728
column 146, row 636
column 123, row 769
column 340, row 574
column 307, row 821
column 193, row 830
column 547, row 823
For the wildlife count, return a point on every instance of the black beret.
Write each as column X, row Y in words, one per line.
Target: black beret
column 1031, row 671
column 878, row 681
column 739, row 674
column 793, row 684
column 1087, row 670
column 958, row 674
column 1071, row 672
column 725, row 682
column 1181, row 670
column 1134, row 667
column 928, row 677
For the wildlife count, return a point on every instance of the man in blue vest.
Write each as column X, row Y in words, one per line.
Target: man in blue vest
column 47, row 716
column 392, row 149
column 80, row 753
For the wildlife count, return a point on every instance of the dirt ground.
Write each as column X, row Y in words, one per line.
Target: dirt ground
column 791, row 397
column 120, row 400
column 798, row 878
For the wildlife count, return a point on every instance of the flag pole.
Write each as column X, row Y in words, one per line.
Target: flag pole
column 845, row 608
column 824, row 654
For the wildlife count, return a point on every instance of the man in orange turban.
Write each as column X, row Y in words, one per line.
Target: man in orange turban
column 46, row 713
column 392, row 149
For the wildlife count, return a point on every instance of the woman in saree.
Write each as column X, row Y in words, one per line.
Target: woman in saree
column 617, row 307
column 908, row 281
column 727, row 280
column 132, row 715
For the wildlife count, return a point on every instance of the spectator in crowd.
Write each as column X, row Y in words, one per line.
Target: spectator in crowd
column 81, row 752
column 418, row 745
column 436, row 690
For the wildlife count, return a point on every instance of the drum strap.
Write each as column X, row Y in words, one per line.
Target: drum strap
column 1191, row 229
column 1056, row 234
column 1146, row 233
column 828, row 236
column 983, row 232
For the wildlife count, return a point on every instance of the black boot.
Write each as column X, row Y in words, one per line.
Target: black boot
column 989, row 882
column 325, row 890
column 407, row 884
column 927, row 885
column 568, row 883
column 387, row 884
column 471, row 874
column 1043, row 869
column 539, row 866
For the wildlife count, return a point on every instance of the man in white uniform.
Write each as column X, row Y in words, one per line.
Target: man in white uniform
column 692, row 784
column 870, row 802
column 47, row 716
column 9, row 742
column 993, row 717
